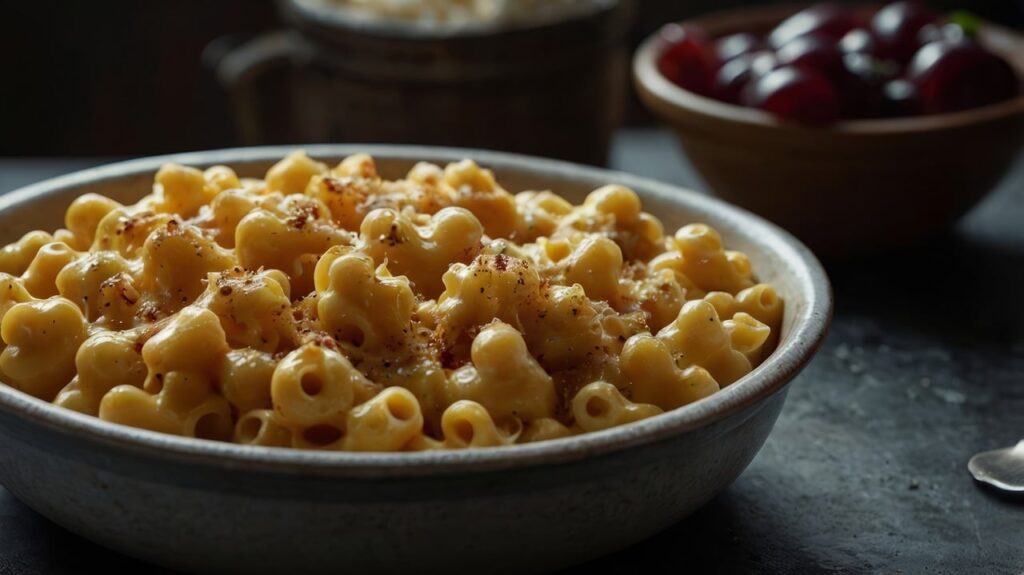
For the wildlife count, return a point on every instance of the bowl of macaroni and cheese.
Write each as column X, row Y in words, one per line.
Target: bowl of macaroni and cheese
column 386, row 357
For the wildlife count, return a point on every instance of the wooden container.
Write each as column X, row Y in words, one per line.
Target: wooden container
column 549, row 88
column 852, row 187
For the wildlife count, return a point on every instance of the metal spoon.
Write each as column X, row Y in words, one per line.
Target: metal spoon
column 1000, row 468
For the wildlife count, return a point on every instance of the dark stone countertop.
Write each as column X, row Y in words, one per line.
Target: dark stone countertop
column 865, row 471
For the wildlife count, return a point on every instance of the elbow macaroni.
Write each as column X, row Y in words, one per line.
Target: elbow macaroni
column 330, row 308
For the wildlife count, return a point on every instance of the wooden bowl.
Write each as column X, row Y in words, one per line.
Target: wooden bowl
column 206, row 506
column 851, row 187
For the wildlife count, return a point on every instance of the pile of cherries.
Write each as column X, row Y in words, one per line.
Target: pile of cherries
column 827, row 62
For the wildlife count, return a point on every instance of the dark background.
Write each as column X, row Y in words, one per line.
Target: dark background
column 130, row 78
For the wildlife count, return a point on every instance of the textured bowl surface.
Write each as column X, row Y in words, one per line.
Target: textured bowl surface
column 854, row 186
column 202, row 505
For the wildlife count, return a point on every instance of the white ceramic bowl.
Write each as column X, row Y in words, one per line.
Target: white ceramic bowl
column 202, row 505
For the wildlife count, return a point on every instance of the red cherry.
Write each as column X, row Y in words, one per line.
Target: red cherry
column 954, row 75
column 858, row 41
column 899, row 99
column 825, row 19
column 688, row 60
column 731, row 78
column 796, row 94
column 861, row 90
column 734, row 45
column 816, row 53
column 735, row 74
column 935, row 32
column 896, row 27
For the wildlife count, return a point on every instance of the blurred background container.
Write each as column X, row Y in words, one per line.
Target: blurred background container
column 552, row 88
column 853, row 187
column 129, row 78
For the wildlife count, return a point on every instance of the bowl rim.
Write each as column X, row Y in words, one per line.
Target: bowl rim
column 353, row 20
column 677, row 101
column 807, row 333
